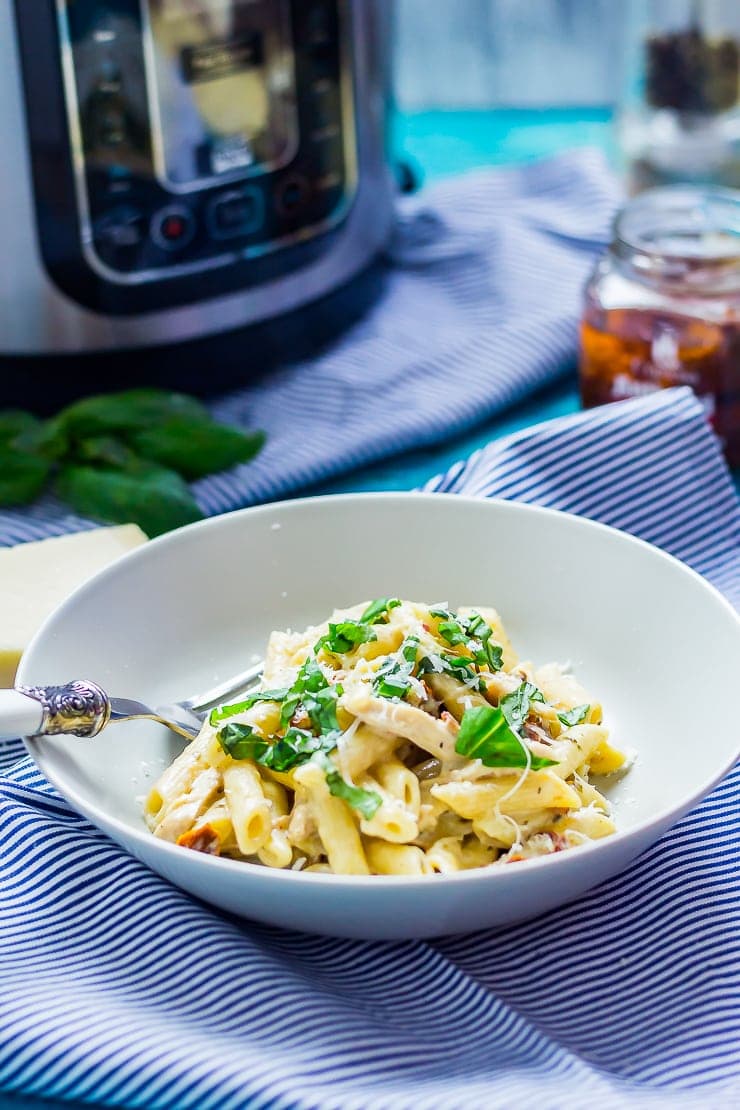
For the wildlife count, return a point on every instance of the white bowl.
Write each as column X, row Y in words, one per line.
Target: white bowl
column 646, row 635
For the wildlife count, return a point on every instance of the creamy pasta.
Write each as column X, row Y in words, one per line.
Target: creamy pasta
column 397, row 738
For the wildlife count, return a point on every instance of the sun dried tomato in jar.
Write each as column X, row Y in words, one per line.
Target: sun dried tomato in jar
column 662, row 307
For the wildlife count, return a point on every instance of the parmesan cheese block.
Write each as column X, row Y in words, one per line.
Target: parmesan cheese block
column 36, row 577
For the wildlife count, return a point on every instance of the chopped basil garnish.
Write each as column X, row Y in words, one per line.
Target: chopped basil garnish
column 376, row 610
column 516, row 705
column 318, row 697
column 393, row 678
column 392, row 686
column 314, row 695
column 488, row 655
column 284, row 753
column 459, row 666
column 472, row 633
column 485, row 734
column 322, row 709
column 452, row 632
column 574, row 716
column 296, row 747
column 345, row 636
column 223, row 712
column 241, row 742
column 366, row 802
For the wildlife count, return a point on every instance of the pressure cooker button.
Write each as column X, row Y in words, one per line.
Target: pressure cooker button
column 173, row 228
column 122, row 229
column 292, row 194
column 238, row 212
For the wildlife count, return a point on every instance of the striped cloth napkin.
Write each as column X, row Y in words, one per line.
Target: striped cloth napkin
column 480, row 308
column 119, row 989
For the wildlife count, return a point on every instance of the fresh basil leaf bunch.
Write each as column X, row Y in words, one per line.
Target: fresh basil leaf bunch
column 120, row 457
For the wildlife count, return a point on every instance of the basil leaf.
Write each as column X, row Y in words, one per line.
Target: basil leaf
column 393, row 678
column 345, row 636
column 195, row 447
column 310, row 678
column 107, row 450
column 322, row 709
column 295, row 748
column 378, row 609
column 472, row 633
column 391, row 686
column 241, row 742
column 117, row 454
column 318, row 697
column 22, row 476
column 515, row 706
column 452, row 632
column 459, row 666
column 129, row 411
column 570, row 717
column 490, row 654
column 290, row 705
column 48, row 439
column 476, row 626
column 152, row 497
column 485, row 734
column 431, row 664
column 223, row 712
column 366, row 802
column 284, row 753
column 494, row 654
column 13, row 422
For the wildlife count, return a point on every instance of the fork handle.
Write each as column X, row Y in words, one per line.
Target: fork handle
column 20, row 715
column 78, row 708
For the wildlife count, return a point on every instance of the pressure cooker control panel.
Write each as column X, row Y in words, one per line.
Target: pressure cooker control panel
column 205, row 131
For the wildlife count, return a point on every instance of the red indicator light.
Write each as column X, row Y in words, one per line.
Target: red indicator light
column 173, row 227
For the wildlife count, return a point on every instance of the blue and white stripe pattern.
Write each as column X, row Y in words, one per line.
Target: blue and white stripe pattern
column 480, row 308
column 119, row 989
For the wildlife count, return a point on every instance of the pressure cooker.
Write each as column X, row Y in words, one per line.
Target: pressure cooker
column 188, row 185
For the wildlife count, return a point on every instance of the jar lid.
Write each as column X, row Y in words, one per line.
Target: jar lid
column 682, row 236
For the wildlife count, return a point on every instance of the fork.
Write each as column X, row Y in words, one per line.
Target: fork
column 82, row 708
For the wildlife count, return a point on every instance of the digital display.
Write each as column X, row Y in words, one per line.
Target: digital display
column 221, row 59
column 222, row 88
column 189, row 136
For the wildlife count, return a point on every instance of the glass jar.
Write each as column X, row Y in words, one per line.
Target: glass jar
column 662, row 307
column 680, row 114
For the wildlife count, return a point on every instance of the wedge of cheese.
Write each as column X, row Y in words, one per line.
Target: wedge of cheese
column 36, row 577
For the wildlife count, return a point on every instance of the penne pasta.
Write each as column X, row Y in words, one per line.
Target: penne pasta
column 510, row 792
column 336, row 828
column 392, row 820
column 394, row 738
column 249, row 809
column 400, row 782
column 396, row 859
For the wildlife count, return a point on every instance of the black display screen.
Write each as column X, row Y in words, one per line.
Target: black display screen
column 222, row 88
column 204, row 134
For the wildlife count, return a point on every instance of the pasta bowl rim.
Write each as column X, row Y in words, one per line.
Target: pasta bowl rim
column 123, row 832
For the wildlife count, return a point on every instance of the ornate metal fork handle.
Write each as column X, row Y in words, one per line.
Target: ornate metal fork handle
column 82, row 708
